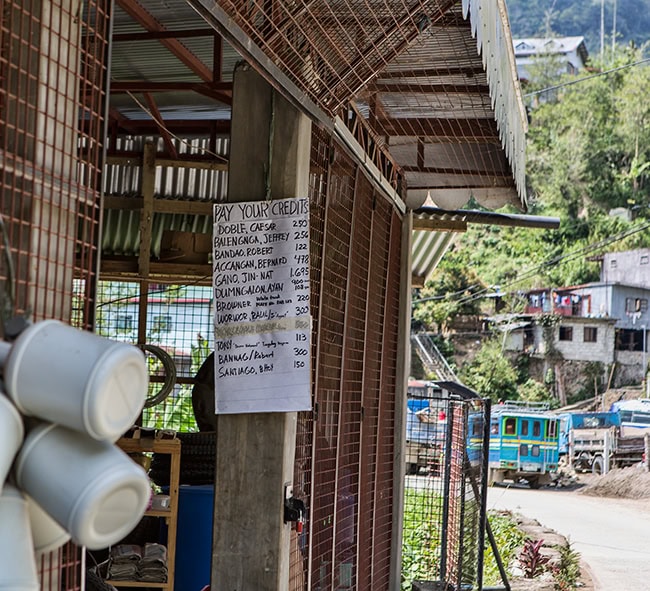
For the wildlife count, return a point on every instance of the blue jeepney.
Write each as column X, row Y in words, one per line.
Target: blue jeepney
column 523, row 443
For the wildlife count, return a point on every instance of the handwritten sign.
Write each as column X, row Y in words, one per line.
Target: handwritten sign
column 261, row 306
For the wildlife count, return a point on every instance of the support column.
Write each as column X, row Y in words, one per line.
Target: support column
column 269, row 158
column 403, row 370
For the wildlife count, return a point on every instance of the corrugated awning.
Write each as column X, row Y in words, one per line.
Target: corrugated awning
column 434, row 230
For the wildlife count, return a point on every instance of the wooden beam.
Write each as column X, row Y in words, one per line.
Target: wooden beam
column 458, row 171
column 118, row 86
column 206, row 162
column 146, row 214
column 417, row 281
column 159, row 205
column 193, row 126
column 417, row 88
column 122, row 270
column 158, row 118
column 461, row 129
column 430, row 225
column 166, row 34
column 452, row 70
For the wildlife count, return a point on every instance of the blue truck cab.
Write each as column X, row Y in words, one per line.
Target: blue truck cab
column 524, row 441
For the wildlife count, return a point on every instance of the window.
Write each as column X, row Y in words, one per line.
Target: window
column 551, row 429
column 628, row 340
column 510, row 426
column 612, row 263
column 644, row 259
column 534, row 451
column 636, row 305
column 494, row 429
column 162, row 323
column 566, row 333
column 524, row 427
column 590, row 334
column 523, row 450
column 477, row 427
column 124, row 322
column 537, row 428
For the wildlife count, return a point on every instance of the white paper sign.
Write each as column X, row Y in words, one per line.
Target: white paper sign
column 261, row 306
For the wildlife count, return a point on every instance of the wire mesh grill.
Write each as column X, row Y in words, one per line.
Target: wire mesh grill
column 174, row 318
column 52, row 100
column 330, row 50
column 444, row 518
column 52, row 74
column 344, row 469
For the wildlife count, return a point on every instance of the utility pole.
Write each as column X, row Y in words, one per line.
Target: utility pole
column 602, row 31
column 614, row 30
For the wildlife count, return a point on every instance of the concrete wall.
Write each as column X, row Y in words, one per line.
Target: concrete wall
column 578, row 349
column 631, row 267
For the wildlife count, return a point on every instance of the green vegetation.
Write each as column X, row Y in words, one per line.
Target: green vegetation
column 589, row 165
column 509, row 540
column 422, row 538
column 566, row 574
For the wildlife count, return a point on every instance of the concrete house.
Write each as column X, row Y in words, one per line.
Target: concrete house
column 605, row 321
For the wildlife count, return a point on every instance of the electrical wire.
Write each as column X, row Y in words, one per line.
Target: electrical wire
column 572, row 82
column 162, row 125
column 549, row 262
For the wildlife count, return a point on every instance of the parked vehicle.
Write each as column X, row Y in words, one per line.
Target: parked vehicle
column 598, row 441
column 634, row 416
column 588, row 439
column 523, row 443
column 426, row 423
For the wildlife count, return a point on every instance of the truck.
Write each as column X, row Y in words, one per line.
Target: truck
column 598, row 441
column 523, row 443
column 426, row 424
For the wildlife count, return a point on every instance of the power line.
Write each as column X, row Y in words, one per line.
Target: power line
column 526, row 274
column 571, row 82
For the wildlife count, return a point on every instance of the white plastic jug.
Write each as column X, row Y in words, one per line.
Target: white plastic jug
column 78, row 379
column 91, row 488
column 11, row 435
column 17, row 562
column 47, row 534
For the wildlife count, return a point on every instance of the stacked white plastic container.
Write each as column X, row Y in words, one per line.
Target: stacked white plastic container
column 65, row 478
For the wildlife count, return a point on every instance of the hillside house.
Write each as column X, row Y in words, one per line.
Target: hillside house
column 598, row 322
column 571, row 54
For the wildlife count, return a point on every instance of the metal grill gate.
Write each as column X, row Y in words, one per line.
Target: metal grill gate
column 345, row 449
column 445, row 501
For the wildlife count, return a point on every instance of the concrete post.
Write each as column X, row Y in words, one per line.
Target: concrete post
column 269, row 158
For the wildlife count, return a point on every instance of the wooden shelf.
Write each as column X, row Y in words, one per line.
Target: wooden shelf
column 170, row 515
column 169, row 585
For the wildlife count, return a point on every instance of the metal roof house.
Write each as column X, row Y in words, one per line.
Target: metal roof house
column 570, row 52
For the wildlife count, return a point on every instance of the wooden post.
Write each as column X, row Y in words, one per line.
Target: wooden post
column 269, row 158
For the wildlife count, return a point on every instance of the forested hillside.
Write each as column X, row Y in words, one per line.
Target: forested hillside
column 541, row 18
column 588, row 163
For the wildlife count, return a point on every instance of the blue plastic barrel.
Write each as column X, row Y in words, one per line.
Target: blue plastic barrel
column 194, row 537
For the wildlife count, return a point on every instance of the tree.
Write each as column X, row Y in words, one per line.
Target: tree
column 490, row 373
column 448, row 294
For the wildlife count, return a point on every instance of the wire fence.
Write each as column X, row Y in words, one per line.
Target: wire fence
column 444, row 517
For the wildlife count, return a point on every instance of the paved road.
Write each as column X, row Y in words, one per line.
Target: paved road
column 612, row 535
